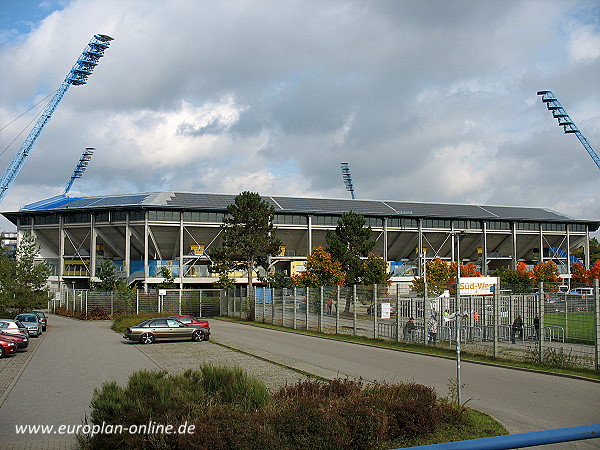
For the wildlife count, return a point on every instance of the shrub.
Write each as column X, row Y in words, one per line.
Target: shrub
column 231, row 410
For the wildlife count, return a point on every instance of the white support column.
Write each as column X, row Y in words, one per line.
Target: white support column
column 514, row 246
column 568, row 254
column 127, row 262
column 587, row 248
column 146, row 268
column 309, row 250
column 385, row 239
column 181, row 271
column 484, row 260
column 61, row 252
column 93, row 240
column 541, row 244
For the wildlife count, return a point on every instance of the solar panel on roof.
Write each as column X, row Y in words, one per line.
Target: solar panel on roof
column 117, row 200
column 310, row 206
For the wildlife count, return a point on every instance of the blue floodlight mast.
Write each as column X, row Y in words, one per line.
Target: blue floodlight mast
column 78, row 75
column 86, row 156
column 347, row 178
column 559, row 113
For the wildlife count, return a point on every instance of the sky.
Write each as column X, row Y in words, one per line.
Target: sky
column 427, row 100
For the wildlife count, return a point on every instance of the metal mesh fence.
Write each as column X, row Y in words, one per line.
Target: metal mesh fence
column 198, row 303
column 557, row 328
column 549, row 323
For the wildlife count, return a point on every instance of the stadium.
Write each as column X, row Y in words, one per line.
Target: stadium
column 143, row 232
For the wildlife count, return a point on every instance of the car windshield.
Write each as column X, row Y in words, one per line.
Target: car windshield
column 28, row 318
column 3, row 324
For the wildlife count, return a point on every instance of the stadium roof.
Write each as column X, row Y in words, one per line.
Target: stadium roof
column 297, row 205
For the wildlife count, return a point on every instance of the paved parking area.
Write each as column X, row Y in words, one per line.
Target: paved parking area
column 56, row 384
column 52, row 383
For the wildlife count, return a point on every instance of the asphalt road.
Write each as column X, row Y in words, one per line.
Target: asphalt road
column 75, row 357
column 522, row 401
column 57, row 385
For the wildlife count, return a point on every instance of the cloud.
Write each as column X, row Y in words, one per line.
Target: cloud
column 426, row 100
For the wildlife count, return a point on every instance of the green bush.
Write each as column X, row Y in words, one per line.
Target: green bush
column 231, row 410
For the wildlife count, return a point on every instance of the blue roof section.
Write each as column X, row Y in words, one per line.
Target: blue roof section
column 302, row 205
column 50, row 203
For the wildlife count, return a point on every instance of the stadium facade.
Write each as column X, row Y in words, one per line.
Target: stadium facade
column 143, row 232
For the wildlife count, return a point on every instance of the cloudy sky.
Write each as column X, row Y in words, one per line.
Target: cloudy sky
column 431, row 101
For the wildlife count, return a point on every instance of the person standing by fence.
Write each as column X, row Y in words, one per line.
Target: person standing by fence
column 408, row 329
column 536, row 326
column 432, row 327
column 516, row 328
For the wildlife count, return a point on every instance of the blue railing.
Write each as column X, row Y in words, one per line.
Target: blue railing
column 522, row 439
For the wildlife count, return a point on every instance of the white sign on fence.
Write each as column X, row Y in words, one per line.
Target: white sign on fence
column 386, row 310
column 478, row 285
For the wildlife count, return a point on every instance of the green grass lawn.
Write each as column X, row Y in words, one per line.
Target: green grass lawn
column 578, row 326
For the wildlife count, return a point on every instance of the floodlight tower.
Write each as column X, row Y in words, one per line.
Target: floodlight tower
column 347, row 178
column 86, row 156
column 559, row 113
column 83, row 68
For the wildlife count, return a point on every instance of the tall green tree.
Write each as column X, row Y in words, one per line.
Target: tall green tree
column 109, row 279
column 247, row 237
column 349, row 244
column 594, row 251
column 376, row 271
column 23, row 281
column 168, row 279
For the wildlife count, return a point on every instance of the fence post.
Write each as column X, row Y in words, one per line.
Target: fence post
column 112, row 302
column 307, row 305
column 496, row 322
column 272, row 305
column 397, row 316
column 354, row 310
column 375, row 333
column 295, row 306
column 321, row 310
column 283, row 292
column 597, row 323
column 337, row 311
column 540, row 335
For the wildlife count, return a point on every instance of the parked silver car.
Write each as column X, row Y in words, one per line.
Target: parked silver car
column 13, row 327
column 31, row 322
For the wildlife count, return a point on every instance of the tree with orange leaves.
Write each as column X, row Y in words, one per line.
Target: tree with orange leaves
column 321, row 270
column 545, row 272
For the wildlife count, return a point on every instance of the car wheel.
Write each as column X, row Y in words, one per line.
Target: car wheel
column 1, row 352
column 147, row 338
column 198, row 336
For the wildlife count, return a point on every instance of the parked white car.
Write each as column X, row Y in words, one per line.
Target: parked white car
column 31, row 322
column 13, row 327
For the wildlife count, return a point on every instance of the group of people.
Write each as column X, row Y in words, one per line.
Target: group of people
column 432, row 329
column 516, row 329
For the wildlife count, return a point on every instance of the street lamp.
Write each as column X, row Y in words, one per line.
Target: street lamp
column 457, row 234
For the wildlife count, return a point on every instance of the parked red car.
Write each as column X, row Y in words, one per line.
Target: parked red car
column 21, row 341
column 189, row 320
column 7, row 347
